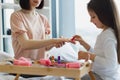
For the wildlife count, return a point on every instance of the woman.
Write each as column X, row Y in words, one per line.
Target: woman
column 28, row 31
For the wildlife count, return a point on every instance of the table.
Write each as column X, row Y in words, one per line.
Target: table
column 37, row 69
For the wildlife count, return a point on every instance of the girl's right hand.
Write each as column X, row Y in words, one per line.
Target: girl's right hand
column 81, row 41
column 77, row 38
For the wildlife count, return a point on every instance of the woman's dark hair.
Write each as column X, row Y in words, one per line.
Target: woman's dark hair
column 25, row 4
column 104, row 9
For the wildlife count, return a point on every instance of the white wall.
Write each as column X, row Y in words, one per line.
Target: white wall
column 66, row 18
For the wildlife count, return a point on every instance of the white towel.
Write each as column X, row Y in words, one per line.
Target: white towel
column 5, row 56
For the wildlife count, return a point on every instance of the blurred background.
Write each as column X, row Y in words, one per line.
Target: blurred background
column 66, row 17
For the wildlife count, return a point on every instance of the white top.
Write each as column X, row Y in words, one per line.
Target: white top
column 106, row 63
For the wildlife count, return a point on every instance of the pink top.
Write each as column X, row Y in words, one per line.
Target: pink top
column 21, row 23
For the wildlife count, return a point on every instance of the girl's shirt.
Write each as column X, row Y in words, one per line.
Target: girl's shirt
column 106, row 63
column 35, row 30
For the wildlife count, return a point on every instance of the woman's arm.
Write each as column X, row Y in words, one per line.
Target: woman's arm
column 35, row 44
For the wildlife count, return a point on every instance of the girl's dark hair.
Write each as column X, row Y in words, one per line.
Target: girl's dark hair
column 104, row 9
column 25, row 4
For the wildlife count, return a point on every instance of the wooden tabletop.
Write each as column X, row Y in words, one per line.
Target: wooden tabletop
column 37, row 69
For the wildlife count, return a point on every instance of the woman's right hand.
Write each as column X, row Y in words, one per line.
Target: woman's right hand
column 59, row 42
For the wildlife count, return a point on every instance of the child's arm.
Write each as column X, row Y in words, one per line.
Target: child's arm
column 81, row 41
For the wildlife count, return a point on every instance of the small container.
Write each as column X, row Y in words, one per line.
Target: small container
column 73, row 65
column 59, row 61
column 45, row 62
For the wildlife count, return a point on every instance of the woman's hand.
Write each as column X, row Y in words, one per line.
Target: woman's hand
column 57, row 42
column 60, row 42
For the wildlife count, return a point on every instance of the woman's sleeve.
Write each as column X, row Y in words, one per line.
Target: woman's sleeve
column 17, row 25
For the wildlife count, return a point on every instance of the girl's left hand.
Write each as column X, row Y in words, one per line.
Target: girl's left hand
column 83, row 55
column 86, row 56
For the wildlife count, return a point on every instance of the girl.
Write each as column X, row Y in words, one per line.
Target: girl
column 106, row 53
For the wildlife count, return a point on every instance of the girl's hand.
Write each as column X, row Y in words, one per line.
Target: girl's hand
column 77, row 38
column 86, row 56
column 83, row 55
column 81, row 41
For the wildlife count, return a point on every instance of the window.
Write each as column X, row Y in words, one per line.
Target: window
column 6, row 11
